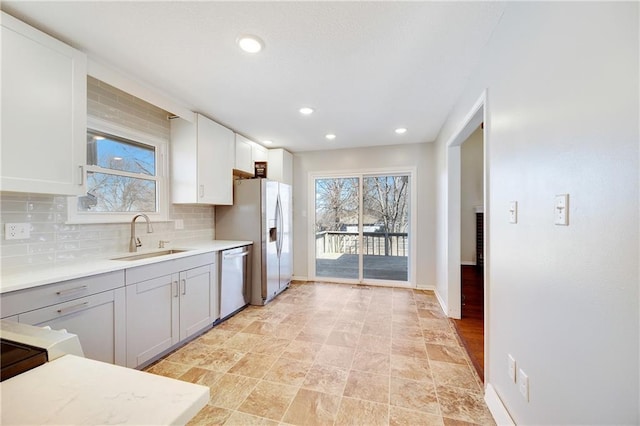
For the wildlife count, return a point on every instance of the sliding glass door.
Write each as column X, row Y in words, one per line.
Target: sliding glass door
column 362, row 227
column 385, row 230
column 337, row 227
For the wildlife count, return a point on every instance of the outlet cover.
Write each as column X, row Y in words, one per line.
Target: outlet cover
column 16, row 231
column 178, row 224
column 511, row 367
column 523, row 384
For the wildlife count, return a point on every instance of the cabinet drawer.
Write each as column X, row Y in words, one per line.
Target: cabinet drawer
column 155, row 270
column 30, row 299
column 98, row 320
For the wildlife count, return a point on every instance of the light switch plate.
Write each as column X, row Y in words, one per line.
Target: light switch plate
column 178, row 224
column 513, row 212
column 562, row 209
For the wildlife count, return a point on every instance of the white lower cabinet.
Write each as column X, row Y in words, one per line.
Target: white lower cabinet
column 91, row 307
column 177, row 300
column 98, row 320
column 152, row 320
column 196, row 300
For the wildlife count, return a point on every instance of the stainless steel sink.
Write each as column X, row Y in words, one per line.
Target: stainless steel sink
column 149, row 255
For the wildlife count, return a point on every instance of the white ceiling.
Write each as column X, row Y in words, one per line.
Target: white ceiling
column 365, row 67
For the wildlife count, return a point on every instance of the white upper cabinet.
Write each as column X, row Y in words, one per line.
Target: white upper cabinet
column 202, row 159
column 44, row 112
column 259, row 153
column 280, row 166
column 244, row 155
column 247, row 153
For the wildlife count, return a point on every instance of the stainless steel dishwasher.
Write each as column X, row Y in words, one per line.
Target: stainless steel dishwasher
column 235, row 276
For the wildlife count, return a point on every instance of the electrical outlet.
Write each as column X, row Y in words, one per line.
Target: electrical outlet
column 16, row 231
column 511, row 368
column 178, row 224
column 523, row 384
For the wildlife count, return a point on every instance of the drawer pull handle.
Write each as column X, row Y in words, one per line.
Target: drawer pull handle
column 72, row 308
column 71, row 290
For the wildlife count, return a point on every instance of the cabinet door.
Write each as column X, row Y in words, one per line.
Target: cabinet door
column 215, row 162
column 98, row 320
column 244, row 154
column 280, row 166
column 152, row 318
column 198, row 299
column 260, row 153
column 44, row 102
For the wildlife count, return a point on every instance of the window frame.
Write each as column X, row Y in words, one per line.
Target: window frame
column 161, row 178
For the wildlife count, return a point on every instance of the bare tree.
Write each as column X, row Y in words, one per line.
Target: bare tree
column 386, row 198
column 336, row 200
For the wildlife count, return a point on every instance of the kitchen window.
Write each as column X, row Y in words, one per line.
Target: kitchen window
column 124, row 176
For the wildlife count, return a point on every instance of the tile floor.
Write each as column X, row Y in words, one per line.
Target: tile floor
column 332, row 354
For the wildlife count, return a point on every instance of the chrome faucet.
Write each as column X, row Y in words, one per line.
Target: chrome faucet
column 134, row 242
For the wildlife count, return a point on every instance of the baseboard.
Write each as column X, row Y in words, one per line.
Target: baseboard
column 426, row 287
column 496, row 407
column 468, row 263
column 442, row 303
column 373, row 284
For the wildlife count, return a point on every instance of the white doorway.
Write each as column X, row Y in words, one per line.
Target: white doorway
column 474, row 119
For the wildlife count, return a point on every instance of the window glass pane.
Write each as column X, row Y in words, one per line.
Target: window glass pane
column 115, row 153
column 337, row 224
column 113, row 193
column 386, row 227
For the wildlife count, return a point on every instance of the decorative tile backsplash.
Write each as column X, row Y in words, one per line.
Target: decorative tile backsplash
column 54, row 241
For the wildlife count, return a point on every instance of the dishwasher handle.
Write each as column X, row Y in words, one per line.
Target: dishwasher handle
column 234, row 255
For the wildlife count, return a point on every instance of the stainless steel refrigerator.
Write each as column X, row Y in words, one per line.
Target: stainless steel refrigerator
column 262, row 213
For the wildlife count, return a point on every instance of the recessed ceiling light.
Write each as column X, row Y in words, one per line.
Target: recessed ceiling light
column 330, row 136
column 401, row 130
column 267, row 142
column 306, row 110
column 250, row 43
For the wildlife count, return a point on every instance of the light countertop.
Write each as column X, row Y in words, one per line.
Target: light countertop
column 33, row 277
column 78, row 391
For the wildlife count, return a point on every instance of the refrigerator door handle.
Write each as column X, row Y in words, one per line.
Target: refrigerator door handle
column 280, row 227
column 278, row 242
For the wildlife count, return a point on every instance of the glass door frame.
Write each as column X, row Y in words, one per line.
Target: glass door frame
column 361, row 174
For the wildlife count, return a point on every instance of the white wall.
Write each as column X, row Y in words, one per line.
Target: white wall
column 562, row 105
column 471, row 193
column 419, row 156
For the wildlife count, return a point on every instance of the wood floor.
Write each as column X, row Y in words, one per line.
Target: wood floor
column 471, row 327
column 392, row 268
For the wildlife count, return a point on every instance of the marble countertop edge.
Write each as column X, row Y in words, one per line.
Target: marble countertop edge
column 37, row 276
column 76, row 390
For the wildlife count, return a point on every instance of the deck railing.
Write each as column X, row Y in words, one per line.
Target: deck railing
column 374, row 243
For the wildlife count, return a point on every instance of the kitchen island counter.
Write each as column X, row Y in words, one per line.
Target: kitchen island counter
column 79, row 391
